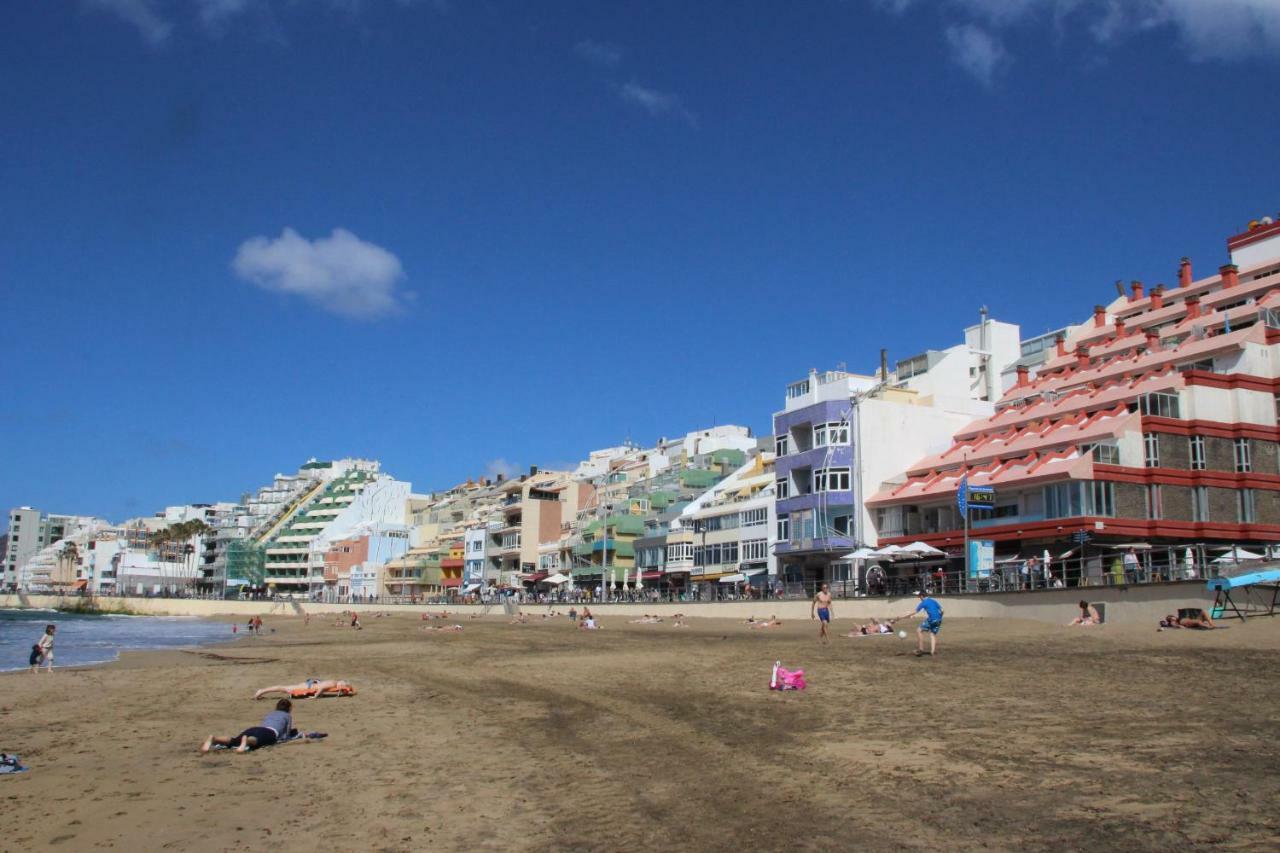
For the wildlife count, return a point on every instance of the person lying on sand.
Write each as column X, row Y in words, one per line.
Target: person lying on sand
column 1088, row 615
column 771, row 622
column 448, row 629
column 647, row 620
column 312, row 688
column 873, row 628
column 589, row 624
column 275, row 726
column 1198, row 619
column 519, row 619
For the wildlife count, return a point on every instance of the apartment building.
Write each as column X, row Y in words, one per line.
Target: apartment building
column 1153, row 421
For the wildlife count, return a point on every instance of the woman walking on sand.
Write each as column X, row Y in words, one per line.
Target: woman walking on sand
column 42, row 651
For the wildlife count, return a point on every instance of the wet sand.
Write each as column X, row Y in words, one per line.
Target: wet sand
column 543, row 737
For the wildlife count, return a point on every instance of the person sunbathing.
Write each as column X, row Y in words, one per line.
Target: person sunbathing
column 1088, row 615
column 872, row 629
column 771, row 622
column 518, row 620
column 448, row 629
column 589, row 624
column 1193, row 619
column 647, row 620
column 312, row 688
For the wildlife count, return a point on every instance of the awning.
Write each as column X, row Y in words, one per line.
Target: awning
column 753, row 572
column 80, row 584
column 734, row 578
column 449, row 582
column 651, row 576
column 534, row 578
column 555, row 579
column 469, row 588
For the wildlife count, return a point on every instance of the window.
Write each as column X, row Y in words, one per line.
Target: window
column 1155, row 503
column 1199, row 504
column 784, row 528
column 831, row 433
column 1245, row 506
column 1107, row 454
column 1088, row 497
column 831, row 480
column 752, row 517
column 1161, row 404
column 1197, row 452
column 1151, row 446
column 782, row 444
column 755, row 550
column 1244, row 462
column 679, row 551
column 783, row 490
column 797, row 389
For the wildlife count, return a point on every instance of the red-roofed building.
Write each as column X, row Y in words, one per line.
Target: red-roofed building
column 1155, row 419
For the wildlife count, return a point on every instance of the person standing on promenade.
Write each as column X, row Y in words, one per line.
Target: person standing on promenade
column 820, row 608
column 42, row 651
column 931, row 625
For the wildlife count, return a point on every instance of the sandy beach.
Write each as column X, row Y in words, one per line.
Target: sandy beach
column 544, row 737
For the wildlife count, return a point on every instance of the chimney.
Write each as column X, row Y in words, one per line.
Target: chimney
column 1193, row 307
column 1184, row 273
column 1157, row 297
column 1119, row 327
column 884, row 365
column 1023, row 372
column 533, row 469
column 498, row 478
column 1099, row 316
column 1153, row 340
column 1061, row 344
column 1135, row 291
column 1082, row 357
column 1230, row 275
column 1120, row 289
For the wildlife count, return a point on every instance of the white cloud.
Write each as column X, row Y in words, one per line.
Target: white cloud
column 976, row 51
column 1207, row 29
column 341, row 273
column 655, row 103
column 599, row 52
column 141, row 14
column 214, row 12
column 501, row 466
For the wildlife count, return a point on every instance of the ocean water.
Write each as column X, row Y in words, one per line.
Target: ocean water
column 85, row 639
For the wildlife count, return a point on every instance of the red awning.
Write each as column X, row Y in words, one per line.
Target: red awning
column 651, row 576
column 80, row 584
column 451, row 582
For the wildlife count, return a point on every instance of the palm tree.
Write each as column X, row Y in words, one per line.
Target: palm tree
column 68, row 558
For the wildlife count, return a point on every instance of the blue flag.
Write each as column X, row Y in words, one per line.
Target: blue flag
column 962, row 494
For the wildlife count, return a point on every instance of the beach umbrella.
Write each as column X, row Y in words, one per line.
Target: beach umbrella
column 888, row 551
column 638, row 582
column 1237, row 555
column 860, row 554
column 920, row 549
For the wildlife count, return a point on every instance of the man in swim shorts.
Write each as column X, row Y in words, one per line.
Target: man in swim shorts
column 931, row 625
column 822, row 605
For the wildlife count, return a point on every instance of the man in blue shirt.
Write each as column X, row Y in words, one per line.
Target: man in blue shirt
column 931, row 625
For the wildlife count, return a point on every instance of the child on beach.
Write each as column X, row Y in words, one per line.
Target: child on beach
column 42, row 651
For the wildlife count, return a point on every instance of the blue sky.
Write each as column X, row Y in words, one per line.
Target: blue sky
column 458, row 236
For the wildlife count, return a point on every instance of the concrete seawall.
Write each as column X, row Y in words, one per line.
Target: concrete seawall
column 1125, row 605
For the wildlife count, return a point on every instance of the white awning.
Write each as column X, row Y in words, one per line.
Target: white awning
column 471, row 587
column 860, row 554
column 1238, row 555
column 736, row 578
column 750, row 573
column 555, row 579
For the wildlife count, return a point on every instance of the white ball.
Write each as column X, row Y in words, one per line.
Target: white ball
column 902, row 634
